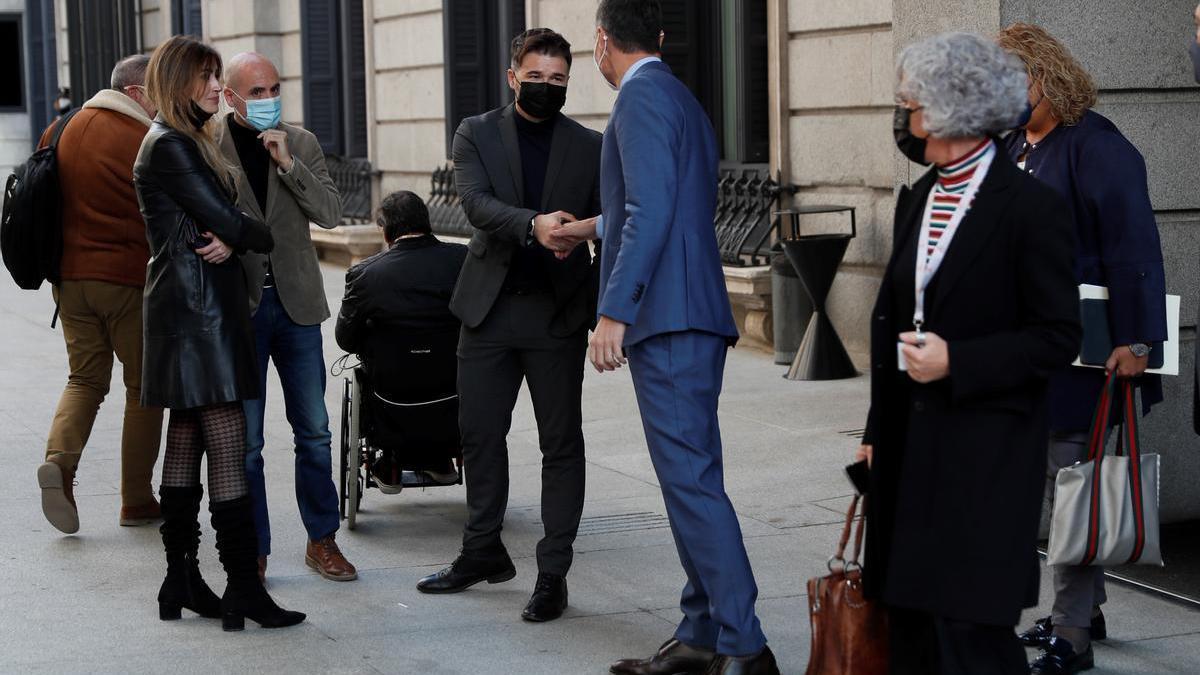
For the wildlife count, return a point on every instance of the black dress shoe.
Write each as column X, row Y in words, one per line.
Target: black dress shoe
column 549, row 599
column 1059, row 658
column 1039, row 634
column 762, row 663
column 673, row 658
column 466, row 571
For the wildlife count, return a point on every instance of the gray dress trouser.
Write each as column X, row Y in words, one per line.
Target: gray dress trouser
column 1078, row 589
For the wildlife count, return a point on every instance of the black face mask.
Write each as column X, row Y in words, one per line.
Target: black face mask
column 198, row 116
column 1194, row 50
column 910, row 146
column 541, row 99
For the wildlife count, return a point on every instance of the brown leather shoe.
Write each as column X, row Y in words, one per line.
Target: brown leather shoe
column 762, row 663
column 673, row 658
column 324, row 556
column 58, row 496
column 133, row 516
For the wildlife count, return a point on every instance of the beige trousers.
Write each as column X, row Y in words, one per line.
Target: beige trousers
column 99, row 320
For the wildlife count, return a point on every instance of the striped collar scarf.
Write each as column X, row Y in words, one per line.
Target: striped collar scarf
column 952, row 182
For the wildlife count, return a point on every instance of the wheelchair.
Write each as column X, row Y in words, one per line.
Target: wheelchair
column 400, row 403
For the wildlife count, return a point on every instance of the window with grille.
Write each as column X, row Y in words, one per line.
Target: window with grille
column 477, row 38
column 12, row 76
column 186, row 18
column 335, row 77
column 719, row 49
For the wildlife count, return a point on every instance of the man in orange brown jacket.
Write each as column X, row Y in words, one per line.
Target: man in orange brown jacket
column 100, row 296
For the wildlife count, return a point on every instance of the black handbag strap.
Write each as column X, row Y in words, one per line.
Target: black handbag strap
column 60, row 128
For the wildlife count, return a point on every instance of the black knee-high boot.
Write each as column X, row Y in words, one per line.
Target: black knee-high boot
column 237, row 544
column 183, row 586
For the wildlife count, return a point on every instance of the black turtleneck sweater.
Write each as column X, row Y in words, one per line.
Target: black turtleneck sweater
column 528, row 268
column 256, row 163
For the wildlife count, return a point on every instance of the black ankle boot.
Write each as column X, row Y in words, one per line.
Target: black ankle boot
column 183, row 585
column 237, row 544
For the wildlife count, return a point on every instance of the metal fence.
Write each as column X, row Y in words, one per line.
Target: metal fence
column 747, row 197
column 445, row 210
column 353, row 177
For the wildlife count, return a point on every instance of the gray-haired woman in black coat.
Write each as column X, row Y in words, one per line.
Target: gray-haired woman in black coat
column 199, row 357
column 979, row 303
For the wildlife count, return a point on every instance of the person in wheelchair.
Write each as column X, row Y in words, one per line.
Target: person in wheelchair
column 394, row 301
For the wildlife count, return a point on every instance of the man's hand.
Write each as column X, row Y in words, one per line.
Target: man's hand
column 604, row 349
column 545, row 224
column 275, row 141
column 1125, row 363
column 865, row 452
column 573, row 234
column 929, row 363
column 216, row 252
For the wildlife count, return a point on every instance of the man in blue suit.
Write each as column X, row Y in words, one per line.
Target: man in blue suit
column 663, row 304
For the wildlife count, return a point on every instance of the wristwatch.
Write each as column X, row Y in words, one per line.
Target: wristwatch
column 1140, row 350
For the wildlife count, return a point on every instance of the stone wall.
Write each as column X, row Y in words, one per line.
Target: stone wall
column 408, row 125
column 1137, row 53
column 838, row 114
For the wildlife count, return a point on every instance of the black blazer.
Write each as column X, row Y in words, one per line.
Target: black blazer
column 487, row 171
column 406, row 287
column 959, row 465
column 198, row 342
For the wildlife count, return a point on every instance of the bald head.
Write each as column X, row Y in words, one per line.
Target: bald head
column 247, row 70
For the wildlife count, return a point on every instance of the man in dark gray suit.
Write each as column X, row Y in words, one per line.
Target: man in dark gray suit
column 526, row 303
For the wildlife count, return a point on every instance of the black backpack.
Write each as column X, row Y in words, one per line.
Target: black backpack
column 31, row 237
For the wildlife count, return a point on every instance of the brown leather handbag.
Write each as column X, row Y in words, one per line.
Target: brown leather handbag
column 849, row 632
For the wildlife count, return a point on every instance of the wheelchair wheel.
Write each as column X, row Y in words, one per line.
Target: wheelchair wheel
column 353, row 482
column 344, row 447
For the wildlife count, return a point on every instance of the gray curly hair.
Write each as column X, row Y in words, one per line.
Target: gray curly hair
column 967, row 85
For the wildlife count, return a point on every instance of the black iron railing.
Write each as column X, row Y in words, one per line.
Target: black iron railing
column 445, row 210
column 353, row 178
column 746, row 198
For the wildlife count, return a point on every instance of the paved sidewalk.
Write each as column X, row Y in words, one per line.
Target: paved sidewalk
column 85, row 603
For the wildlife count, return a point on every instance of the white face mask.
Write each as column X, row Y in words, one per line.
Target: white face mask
column 600, row 60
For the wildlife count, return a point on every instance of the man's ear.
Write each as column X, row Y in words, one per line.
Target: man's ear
column 512, row 80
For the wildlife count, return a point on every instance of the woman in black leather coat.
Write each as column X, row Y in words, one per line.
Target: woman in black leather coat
column 199, row 357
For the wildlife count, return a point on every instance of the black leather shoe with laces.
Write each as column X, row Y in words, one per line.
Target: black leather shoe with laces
column 1041, row 630
column 468, row 570
column 549, row 599
column 1058, row 657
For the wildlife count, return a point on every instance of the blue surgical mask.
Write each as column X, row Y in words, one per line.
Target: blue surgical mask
column 263, row 113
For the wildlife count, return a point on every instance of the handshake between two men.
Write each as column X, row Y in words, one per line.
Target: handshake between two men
column 561, row 232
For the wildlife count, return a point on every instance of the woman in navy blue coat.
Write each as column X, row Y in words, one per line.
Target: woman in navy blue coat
column 1101, row 175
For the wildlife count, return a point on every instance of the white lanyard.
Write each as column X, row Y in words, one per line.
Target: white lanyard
column 928, row 264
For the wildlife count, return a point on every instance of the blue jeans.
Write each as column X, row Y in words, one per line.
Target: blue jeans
column 299, row 360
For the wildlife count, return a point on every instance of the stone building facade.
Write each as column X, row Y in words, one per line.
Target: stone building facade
column 393, row 71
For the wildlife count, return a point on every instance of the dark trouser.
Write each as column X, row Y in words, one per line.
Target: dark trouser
column 925, row 644
column 511, row 345
column 677, row 378
column 1078, row 589
column 300, row 363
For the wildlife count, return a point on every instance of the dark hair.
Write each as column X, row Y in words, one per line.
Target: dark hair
column 129, row 71
column 402, row 213
column 632, row 25
column 539, row 41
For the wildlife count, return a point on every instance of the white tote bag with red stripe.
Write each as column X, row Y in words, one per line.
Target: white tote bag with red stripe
column 1106, row 509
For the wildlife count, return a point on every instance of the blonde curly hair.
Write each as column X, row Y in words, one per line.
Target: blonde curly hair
column 1066, row 85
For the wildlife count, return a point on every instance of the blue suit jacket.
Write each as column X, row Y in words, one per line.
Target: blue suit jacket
column 1102, row 176
column 660, row 269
